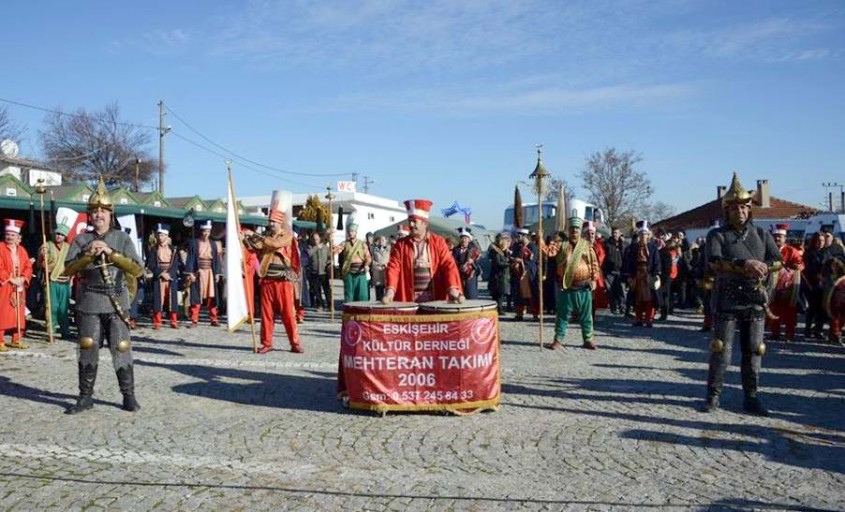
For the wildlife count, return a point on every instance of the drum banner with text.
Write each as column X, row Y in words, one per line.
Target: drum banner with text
column 420, row 363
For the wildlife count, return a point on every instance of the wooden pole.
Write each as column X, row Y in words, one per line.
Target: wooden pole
column 540, row 239
column 41, row 190
column 330, row 196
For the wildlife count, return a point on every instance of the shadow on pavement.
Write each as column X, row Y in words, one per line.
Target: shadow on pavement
column 316, row 392
column 20, row 391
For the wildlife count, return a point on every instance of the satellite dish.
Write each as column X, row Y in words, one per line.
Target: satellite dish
column 9, row 148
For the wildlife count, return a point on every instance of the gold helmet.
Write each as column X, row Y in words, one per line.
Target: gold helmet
column 736, row 194
column 100, row 198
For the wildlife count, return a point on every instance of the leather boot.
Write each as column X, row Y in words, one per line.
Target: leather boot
column 753, row 405
column 126, row 381
column 711, row 403
column 174, row 320
column 87, row 377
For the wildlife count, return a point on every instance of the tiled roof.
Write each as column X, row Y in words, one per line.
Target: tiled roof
column 703, row 216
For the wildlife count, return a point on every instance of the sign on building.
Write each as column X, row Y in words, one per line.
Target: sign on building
column 346, row 186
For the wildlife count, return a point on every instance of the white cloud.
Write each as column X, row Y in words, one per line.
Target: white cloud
column 519, row 97
column 771, row 40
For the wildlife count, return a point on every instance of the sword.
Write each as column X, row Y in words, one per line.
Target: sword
column 111, row 293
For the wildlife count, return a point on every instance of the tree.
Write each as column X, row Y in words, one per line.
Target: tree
column 552, row 190
column 615, row 185
column 656, row 212
column 89, row 145
column 8, row 128
column 315, row 211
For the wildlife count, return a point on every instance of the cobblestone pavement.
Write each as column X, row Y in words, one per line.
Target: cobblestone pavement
column 614, row 429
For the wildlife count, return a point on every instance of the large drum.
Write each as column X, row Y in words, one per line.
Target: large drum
column 377, row 308
column 444, row 359
column 468, row 306
column 786, row 289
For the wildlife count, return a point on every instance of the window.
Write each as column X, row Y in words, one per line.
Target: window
column 157, row 204
column 123, row 200
column 392, row 219
column 371, row 216
column 12, row 192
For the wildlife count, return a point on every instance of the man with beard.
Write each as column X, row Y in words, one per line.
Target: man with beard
column 466, row 256
column 163, row 262
column 107, row 266
column 202, row 271
column 421, row 269
column 578, row 272
column 641, row 268
column 740, row 255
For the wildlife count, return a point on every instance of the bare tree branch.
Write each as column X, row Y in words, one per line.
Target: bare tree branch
column 10, row 129
column 615, row 185
column 89, row 145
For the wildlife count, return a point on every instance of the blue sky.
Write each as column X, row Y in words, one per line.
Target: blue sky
column 446, row 99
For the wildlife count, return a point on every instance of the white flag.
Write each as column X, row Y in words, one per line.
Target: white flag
column 237, row 310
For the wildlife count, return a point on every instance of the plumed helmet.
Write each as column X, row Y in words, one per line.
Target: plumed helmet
column 100, row 198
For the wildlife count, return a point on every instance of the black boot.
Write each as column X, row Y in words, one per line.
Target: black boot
column 711, row 403
column 126, row 381
column 752, row 405
column 87, row 377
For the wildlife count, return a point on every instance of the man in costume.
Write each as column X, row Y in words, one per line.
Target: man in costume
column 421, row 269
column 499, row 283
column 589, row 233
column 107, row 267
column 787, row 282
column 355, row 261
column 52, row 260
column 202, row 271
column 278, row 272
column 15, row 276
column 466, row 256
column 524, row 275
column 163, row 263
column 578, row 272
column 740, row 255
column 641, row 268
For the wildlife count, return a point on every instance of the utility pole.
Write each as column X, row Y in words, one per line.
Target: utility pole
column 367, row 182
column 137, row 173
column 162, row 131
column 355, row 179
column 830, row 195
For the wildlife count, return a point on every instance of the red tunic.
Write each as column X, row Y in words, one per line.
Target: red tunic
column 792, row 258
column 600, row 300
column 8, row 295
column 399, row 274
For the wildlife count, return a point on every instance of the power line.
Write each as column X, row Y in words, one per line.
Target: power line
column 245, row 166
column 245, row 159
column 68, row 114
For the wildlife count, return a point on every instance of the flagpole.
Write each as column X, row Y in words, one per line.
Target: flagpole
column 243, row 260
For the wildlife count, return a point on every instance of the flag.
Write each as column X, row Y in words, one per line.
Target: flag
column 561, row 209
column 237, row 310
column 517, row 208
column 130, row 227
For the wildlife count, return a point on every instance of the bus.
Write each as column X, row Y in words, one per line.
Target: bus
column 583, row 209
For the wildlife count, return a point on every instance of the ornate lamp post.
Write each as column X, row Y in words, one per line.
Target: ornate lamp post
column 329, row 197
column 540, row 177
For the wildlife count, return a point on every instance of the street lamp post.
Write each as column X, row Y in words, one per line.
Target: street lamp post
column 329, row 197
column 540, row 177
